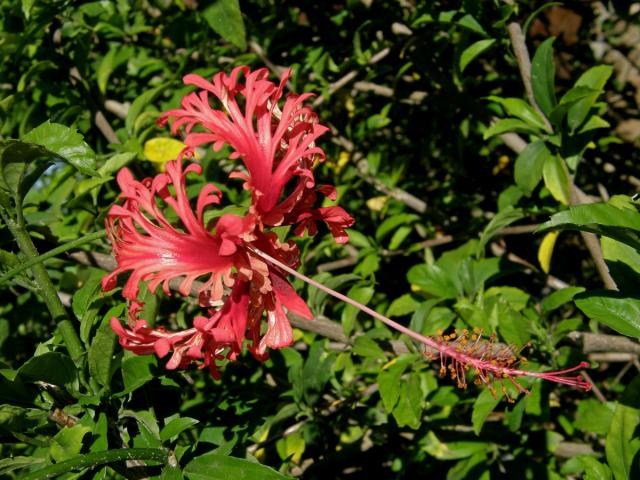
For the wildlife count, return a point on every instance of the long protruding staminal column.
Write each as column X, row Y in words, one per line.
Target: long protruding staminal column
column 482, row 363
column 387, row 321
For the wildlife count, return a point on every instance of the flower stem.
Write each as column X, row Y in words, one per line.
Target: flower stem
column 46, row 289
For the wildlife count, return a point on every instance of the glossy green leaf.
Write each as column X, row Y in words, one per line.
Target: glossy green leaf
column 452, row 450
column 225, row 18
column 66, row 143
column 139, row 104
column 219, row 467
column 556, row 179
column 176, row 427
column 529, row 166
column 403, row 305
column 50, row 367
column 516, row 107
column 623, row 262
column 482, row 407
column 595, row 78
column 408, row 409
column 473, row 51
column 67, row 442
column 501, row 219
column 559, row 298
column 389, row 380
column 392, row 223
column 100, row 354
column 615, row 219
column 506, row 125
column 623, row 442
column 136, row 371
column 469, row 22
column 432, row 279
column 8, row 465
column 543, row 76
column 350, row 313
column 614, row 309
column 595, row 470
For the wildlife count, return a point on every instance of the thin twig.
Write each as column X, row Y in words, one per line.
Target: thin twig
column 350, row 76
column 596, row 391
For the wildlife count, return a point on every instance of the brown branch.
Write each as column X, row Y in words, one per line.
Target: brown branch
column 524, row 64
column 350, row 76
column 500, row 251
column 577, row 196
column 600, row 342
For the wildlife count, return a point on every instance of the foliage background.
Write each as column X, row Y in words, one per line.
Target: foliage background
column 408, row 106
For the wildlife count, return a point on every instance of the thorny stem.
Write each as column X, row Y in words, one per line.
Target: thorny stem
column 46, row 288
column 446, row 350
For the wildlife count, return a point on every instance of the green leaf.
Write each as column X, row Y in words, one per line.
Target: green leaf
column 593, row 123
column 529, row 165
column 136, row 371
column 543, row 77
column 613, row 309
column 556, row 178
column 473, row 51
column 399, row 236
column 90, row 290
column 516, row 107
column 403, row 305
column 501, row 219
column 559, row 298
column 623, row 442
column 482, row 407
column 624, row 264
column 595, row 78
column 101, row 353
column 171, row 473
column 408, row 410
column 225, row 18
column 392, row 223
column 66, row 143
column 505, row 125
column 350, row 313
column 67, row 442
column 212, row 466
column 316, row 372
column 175, row 427
column 389, row 379
column 594, row 470
column 8, row 465
column 115, row 163
column 107, row 65
column 568, row 100
column 434, row 280
column 139, row 104
column 470, row 23
column 613, row 219
column 291, row 447
column 594, row 416
column 366, row 346
column 50, row 367
column 452, row 450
